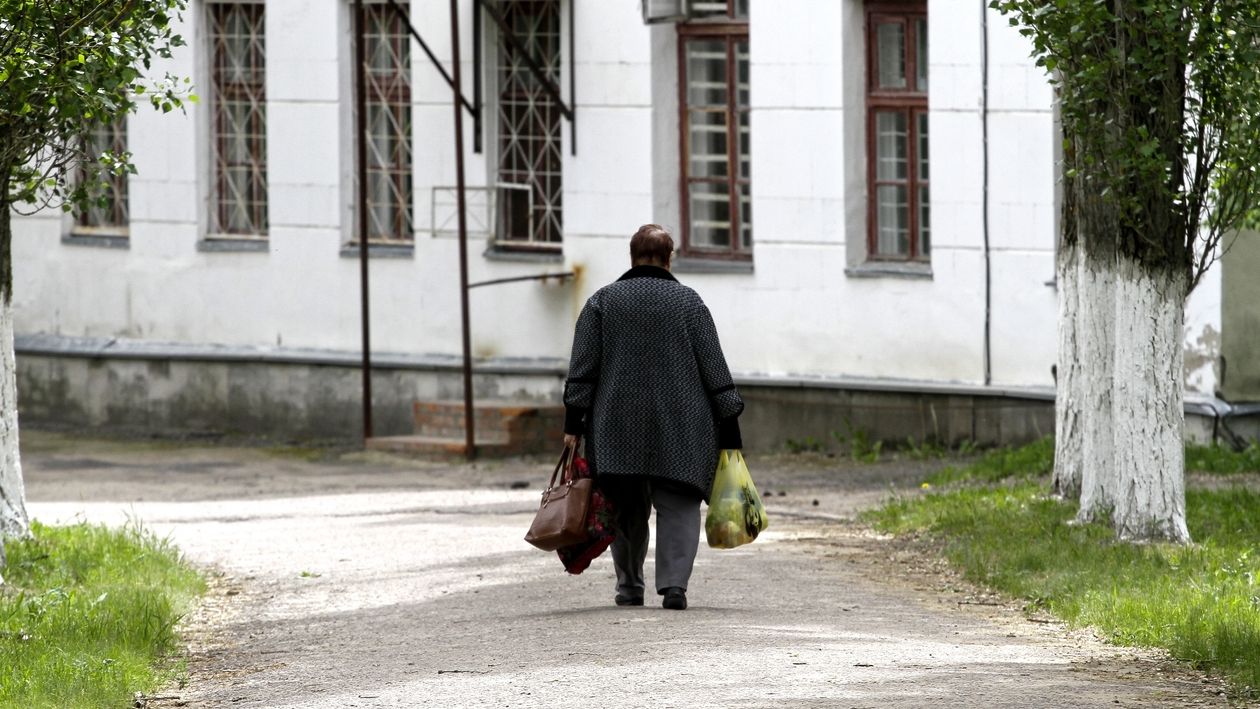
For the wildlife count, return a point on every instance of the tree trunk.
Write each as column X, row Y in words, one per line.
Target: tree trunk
column 13, row 519
column 1147, row 489
column 1068, row 453
column 1096, row 346
column 1096, row 224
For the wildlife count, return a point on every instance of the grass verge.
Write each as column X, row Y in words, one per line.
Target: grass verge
column 1037, row 459
column 1200, row 602
column 1001, row 463
column 1222, row 459
column 87, row 616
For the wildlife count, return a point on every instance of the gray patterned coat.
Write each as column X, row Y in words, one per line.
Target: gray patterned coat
column 648, row 384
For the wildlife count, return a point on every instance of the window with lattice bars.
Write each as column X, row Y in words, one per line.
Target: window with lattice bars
column 528, row 194
column 106, row 187
column 387, row 78
column 238, row 73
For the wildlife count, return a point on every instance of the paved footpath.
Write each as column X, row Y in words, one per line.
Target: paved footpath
column 416, row 590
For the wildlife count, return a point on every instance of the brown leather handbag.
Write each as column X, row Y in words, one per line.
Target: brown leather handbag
column 561, row 519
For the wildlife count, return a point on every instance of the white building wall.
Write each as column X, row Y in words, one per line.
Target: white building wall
column 797, row 312
column 1022, row 209
column 1203, row 335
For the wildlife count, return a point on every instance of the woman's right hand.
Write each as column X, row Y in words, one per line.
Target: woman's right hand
column 571, row 441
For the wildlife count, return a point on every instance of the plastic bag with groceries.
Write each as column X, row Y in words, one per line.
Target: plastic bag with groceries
column 736, row 515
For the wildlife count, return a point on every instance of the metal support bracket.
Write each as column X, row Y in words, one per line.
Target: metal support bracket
column 544, row 278
column 474, row 107
column 473, row 110
column 552, row 90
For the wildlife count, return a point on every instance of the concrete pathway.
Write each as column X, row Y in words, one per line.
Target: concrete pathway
column 429, row 598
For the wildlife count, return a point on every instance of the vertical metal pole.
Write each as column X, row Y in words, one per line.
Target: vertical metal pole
column 469, row 433
column 984, row 131
column 476, row 58
column 572, row 82
column 360, row 126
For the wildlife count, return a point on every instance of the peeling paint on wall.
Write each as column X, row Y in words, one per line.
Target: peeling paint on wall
column 1203, row 340
column 1203, row 359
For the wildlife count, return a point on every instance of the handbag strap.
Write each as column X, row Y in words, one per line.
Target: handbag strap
column 566, row 464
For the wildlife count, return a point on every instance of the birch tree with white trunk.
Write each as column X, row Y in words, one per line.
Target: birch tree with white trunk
column 1160, row 111
column 66, row 66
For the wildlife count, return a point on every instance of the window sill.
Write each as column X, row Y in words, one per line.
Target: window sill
column 706, row 265
column 891, row 269
column 100, row 238
column 523, row 255
column 228, row 243
column 351, row 250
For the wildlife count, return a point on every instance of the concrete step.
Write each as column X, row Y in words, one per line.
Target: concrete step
column 504, row 428
column 440, row 447
column 509, row 428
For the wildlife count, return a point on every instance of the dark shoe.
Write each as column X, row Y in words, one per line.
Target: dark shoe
column 675, row 599
column 629, row 600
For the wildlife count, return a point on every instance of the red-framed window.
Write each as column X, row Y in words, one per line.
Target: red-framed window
column 238, row 75
column 387, row 79
column 898, row 214
column 713, row 83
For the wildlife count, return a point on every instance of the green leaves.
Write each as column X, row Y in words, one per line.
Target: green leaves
column 66, row 65
column 1161, row 99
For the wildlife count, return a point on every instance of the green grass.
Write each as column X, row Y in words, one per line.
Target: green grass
column 861, row 448
column 1032, row 460
column 1201, row 602
column 1037, row 459
column 87, row 617
column 1223, row 460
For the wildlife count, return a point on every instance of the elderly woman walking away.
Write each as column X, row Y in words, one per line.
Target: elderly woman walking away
column 650, row 390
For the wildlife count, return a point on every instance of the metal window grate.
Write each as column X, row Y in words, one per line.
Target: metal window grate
column 529, row 127
column 240, row 119
column 477, row 209
column 387, row 52
column 109, row 209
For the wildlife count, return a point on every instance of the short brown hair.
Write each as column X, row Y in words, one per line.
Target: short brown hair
column 651, row 243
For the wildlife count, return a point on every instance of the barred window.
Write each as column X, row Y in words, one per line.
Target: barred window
column 387, row 55
column 240, row 119
column 716, row 136
column 528, row 197
column 108, row 208
column 899, row 209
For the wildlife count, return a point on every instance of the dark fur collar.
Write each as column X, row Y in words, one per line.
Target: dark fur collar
column 648, row 272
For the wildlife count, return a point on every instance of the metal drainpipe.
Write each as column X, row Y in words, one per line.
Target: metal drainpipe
column 984, row 130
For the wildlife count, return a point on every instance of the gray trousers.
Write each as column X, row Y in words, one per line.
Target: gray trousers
column 677, row 530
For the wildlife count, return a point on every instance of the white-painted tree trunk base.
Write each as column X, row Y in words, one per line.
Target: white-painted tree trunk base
column 1068, row 452
column 1096, row 347
column 13, row 519
column 1147, row 489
